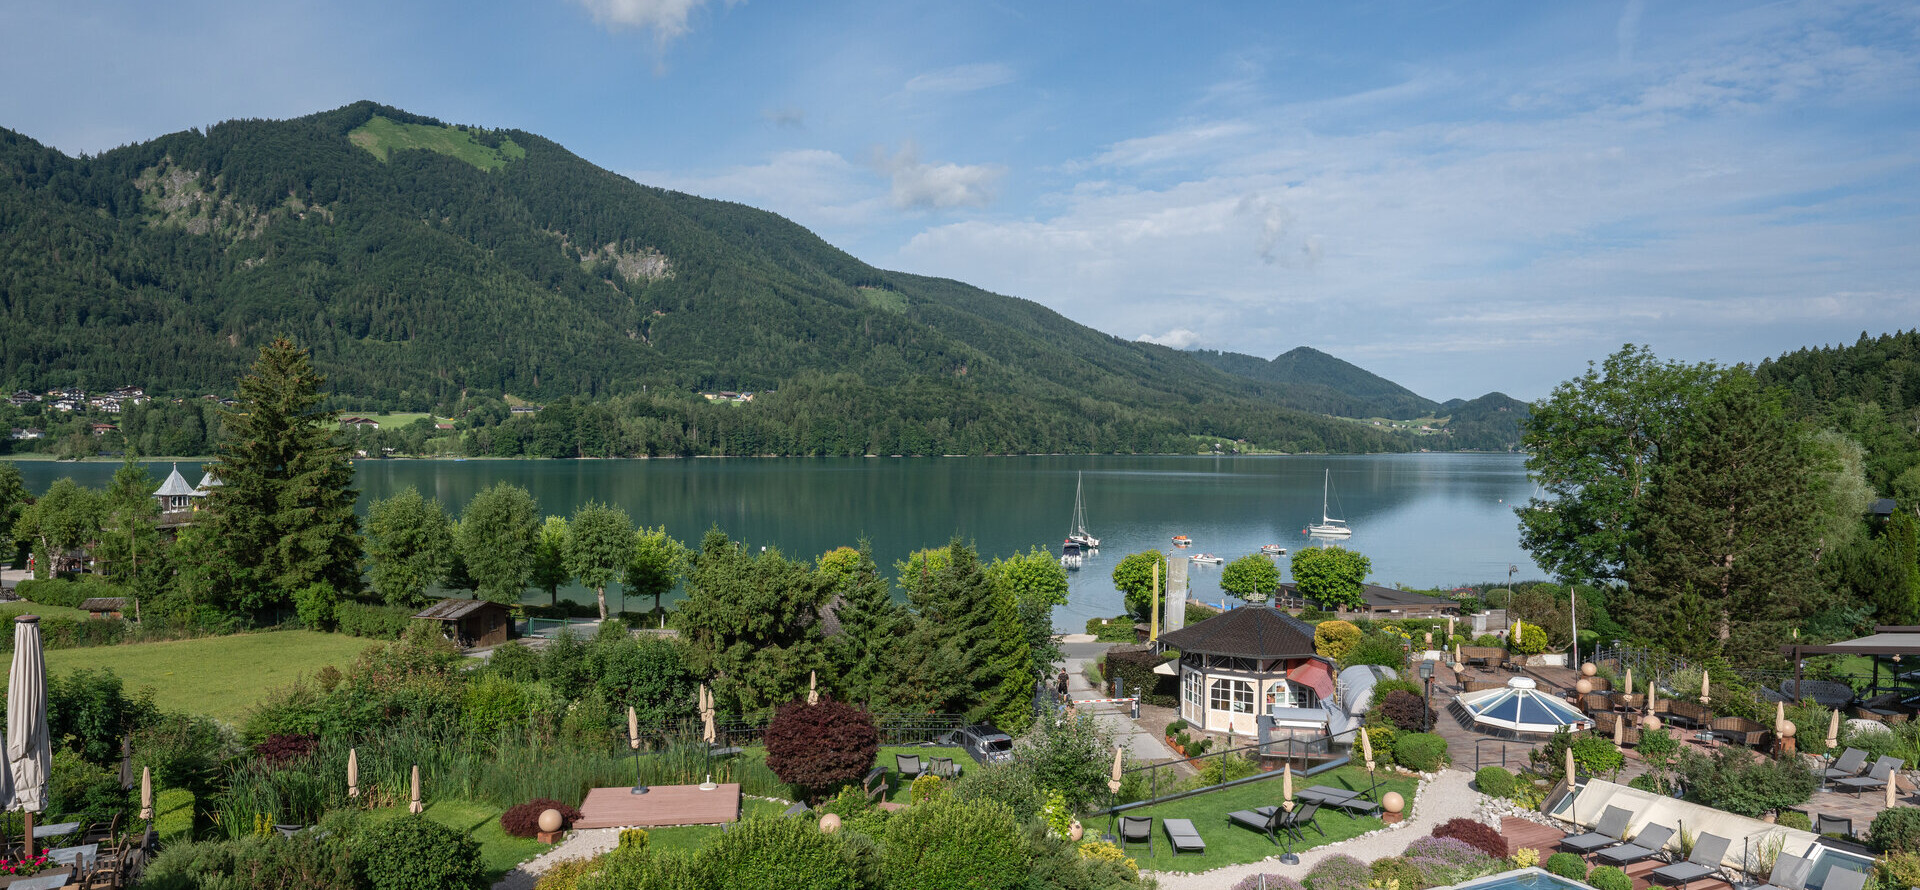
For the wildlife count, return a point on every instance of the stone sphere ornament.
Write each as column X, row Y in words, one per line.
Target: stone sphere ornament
column 1588, row 669
column 1787, row 729
column 1392, row 802
column 550, row 820
column 1651, row 722
column 829, row 823
column 1583, row 686
column 1076, row 831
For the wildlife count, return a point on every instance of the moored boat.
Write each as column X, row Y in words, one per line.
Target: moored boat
column 1181, row 540
column 1206, row 558
column 1273, row 550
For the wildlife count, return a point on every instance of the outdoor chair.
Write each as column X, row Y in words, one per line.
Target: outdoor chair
column 1266, row 820
column 1607, row 832
column 1838, row 879
column 1136, row 830
column 874, row 784
column 1850, row 763
column 1646, row 845
column 1183, row 836
column 1601, row 684
column 1740, row 731
column 1302, row 818
column 1840, row 825
column 1708, row 850
column 44, row 882
column 1790, row 872
column 944, row 767
column 1628, row 701
column 800, row 808
column 99, row 831
column 1596, row 703
column 1875, row 778
column 908, row 765
column 1688, row 713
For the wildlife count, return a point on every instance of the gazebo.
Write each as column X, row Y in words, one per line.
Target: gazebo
column 1888, row 646
column 1247, row 662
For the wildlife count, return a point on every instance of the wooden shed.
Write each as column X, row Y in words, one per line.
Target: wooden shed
column 472, row 623
column 104, row 606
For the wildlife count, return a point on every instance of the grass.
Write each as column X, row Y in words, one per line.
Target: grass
column 383, row 136
column 499, row 851
column 11, row 611
column 691, row 837
column 1229, row 844
column 392, row 421
column 220, row 677
column 903, row 790
column 172, row 813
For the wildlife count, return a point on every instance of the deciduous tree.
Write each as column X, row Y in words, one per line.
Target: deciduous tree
column 496, row 540
column 550, row 558
column 1037, row 583
column 1252, row 578
column 128, row 538
column 1332, row 577
column 657, row 564
column 64, row 519
column 410, row 542
column 1134, row 575
column 599, row 547
column 751, row 622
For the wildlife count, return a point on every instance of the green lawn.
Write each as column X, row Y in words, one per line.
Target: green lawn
column 1229, row 844
column 383, row 136
column 499, row 851
column 11, row 611
column 902, row 789
column 217, row 676
column 692, row 837
column 172, row 813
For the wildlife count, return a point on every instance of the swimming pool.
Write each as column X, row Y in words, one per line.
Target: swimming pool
column 1826, row 859
column 1523, row 879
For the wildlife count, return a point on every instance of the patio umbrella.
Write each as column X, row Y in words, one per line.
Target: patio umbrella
column 1626, row 683
column 1366, row 747
column 1113, row 784
column 126, row 763
column 706, row 715
column 813, row 687
column 633, row 729
column 1893, row 780
column 1286, row 786
column 1571, row 775
column 1703, row 688
column 1833, row 730
column 353, row 772
column 1779, row 715
column 1449, row 627
column 29, row 752
column 1619, row 730
column 146, row 793
column 1573, row 781
column 414, row 805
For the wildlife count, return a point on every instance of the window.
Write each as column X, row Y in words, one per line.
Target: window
column 1192, row 689
column 1292, row 695
column 1235, row 696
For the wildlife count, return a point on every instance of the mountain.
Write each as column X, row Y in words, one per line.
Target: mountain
column 1318, row 382
column 431, row 266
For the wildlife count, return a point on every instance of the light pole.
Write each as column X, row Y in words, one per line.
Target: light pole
column 1426, row 708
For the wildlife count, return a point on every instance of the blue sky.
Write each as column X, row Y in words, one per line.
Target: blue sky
column 1461, row 197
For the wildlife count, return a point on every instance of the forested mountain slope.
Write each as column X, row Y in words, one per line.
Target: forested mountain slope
column 421, row 261
column 1870, row 391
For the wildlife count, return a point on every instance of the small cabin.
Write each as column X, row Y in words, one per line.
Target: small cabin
column 471, row 624
column 104, row 606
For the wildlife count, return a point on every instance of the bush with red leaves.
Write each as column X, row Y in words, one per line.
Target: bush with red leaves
column 817, row 747
column 523, row 820
column 280, row 750
column 1479, row 835
column 1406, row 711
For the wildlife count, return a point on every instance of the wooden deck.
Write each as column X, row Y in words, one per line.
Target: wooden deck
column 662, row 806
column 1522, row 833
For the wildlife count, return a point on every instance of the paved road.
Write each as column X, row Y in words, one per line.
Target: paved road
column 1141, row 745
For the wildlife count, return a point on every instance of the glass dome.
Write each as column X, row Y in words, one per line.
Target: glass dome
column 1520, row 707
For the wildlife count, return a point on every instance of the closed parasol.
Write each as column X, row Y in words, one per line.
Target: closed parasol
column 29, row 752
column 413, row 804
column 146, row 793
column 353, row 772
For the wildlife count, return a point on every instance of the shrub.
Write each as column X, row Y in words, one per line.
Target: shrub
column 1339, row 872
column 1389, row 684
column 1597, row 756
column 1532, row 640
column 819, row 746
column 1421, row 751
column 1134, row 669
column 358, row 619
column 1381, row 649
column 523, row 820
column 633, row 839
column 1054, row 814
column 1494, row 782
column 1897, row 870
column 927, row 787
column 1446, row 860
column 1608, row 877
column 1405, row 710
column 68, row 593
column 1392, row 869
column 1896, row 830
column 1102, row 851
column 492, row 704
column 565, row 874
column 774, row 852
column 76, row 787
column 1382, row 737
column 1267, row 882
column 1010, row 784
column 1073, row 756
column 1801, row 821
column 952, row 843
column 280, row 750
column 416, row 853
column 1734, row 781
column 1334, row 639
column 1479, row 835
column 315, row 605
column 1226, row 768
column 1567, row 865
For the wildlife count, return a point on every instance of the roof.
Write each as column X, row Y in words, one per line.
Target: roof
column 1246, row 632
column 1389, row 598
column 208, row 480
column 454, row 610
column 1881, row 507
column 104, row 604
column 175, row 486
column 1885, row 640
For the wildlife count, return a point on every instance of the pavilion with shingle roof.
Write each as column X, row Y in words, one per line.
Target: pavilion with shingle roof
column 1247, row 662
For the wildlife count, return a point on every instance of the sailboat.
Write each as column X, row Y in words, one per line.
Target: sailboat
column 1328, row 527
column 1077, row 533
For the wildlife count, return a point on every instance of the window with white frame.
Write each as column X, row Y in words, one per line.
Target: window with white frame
column 1191, row 689
column 1235, row 696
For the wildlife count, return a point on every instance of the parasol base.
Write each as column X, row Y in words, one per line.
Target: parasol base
column 640, row 789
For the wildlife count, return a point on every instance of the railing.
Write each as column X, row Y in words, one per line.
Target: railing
column 895, row 729
column 1503, row 743
column 1652, row 663
column 582, row 628
column 1316, row 754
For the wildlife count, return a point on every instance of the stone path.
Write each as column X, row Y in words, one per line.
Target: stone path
column 582, row 844
column 1447, row 796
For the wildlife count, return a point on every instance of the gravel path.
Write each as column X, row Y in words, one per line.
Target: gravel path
column 1444, row 797
column 583, row 844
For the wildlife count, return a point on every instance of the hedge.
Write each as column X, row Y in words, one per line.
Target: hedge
column 1420, row 751
column 1494, row 781
column 1134, row 667
column 65, row 592
column 375, row 622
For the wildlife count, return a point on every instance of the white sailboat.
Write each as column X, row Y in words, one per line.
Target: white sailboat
column 1328, row 527
column 1077, row 533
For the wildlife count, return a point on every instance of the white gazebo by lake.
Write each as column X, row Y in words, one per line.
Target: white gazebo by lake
column 1247, row 662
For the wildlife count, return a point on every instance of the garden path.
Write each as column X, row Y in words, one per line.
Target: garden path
column 581, row 844
column 1144, row 745
column 1447, row 796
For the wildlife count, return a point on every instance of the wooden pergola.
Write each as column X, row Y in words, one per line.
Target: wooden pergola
column 1888, row 642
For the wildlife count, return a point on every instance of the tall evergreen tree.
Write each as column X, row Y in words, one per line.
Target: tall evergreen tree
column 497, row 537
column 283, row 513
column 129, row 540
column 1725, row 564
column 550, row 558
column 13, row 501
column 870, row 621
column 1038, row 582
column 752, row 624
column 956, row 602
column 409, row 542
column 599, row 547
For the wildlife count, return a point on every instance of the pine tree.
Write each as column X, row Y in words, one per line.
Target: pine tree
column 870, row 622
column 283, row 513
column 13, row 501
column 958, row 603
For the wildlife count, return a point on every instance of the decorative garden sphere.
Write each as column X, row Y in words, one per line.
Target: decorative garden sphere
column 549, row 820
column 1583, row 686
column 829, row 823
column 1588, row 669
column 1076, row 831
column 1651, row 722
column 1392, row 802
column 1787, row 729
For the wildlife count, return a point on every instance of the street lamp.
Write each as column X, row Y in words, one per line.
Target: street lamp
column 1426, row 709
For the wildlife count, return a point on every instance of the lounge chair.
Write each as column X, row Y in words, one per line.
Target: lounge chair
column 1875, row 778
column 1837, row 879
column 1183, row 836
column 1607, row 832
column 1708, row 850
column 1347, row 799
column 1645, row 845
column 1302, row 818
column 1790, row 872
column 908, row 765
column 1137, row 830
column 1851, row 762
column 1267, row 820
column 1840, row 825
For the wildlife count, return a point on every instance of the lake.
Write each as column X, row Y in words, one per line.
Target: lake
column 1426, row 520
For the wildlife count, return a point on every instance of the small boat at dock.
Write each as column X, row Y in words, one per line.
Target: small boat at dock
column 1273, row 550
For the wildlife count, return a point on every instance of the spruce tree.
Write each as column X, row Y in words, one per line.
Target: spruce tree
column 870, row 622
column 283, row 513
column 958, row 603
column 129, row 542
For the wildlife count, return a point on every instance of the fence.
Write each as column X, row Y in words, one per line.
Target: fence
column 1316, row 754
column 895, row 729
column 1651, row 663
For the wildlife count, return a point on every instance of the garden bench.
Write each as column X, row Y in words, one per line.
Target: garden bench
column 875, row 783
column 1740, row 731
column 1690, row 714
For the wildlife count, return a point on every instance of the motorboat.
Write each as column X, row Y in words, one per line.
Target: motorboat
column 1181, row 541
column 1273, row 550
column 1206, row 558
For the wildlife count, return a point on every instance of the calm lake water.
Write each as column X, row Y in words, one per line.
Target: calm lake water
column 1425, row 520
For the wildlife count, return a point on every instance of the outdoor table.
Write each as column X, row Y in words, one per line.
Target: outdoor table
column 59, row 829
column 44, row 882
column 81, row 856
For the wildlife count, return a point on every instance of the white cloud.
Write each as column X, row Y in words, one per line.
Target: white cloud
column 667, row 19
column 918, row 185
column 813, row 187
column 1178, row 338
column 962, row 78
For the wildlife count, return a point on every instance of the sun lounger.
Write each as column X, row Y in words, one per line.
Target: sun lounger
column 1302, row 818
column 1824, row 824
column 1646, row 845
column 1875, row 778
column 1183, row 836
column 1790, row 872
column 1708, row 850
column 1347, row 799
column 908, row 765
column 1851, row 762
column 1267, row 820
column 1606, row 833
column 1845, row 879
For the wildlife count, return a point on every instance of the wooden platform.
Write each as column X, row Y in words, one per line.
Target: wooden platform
column 1527, row 833
column 662, row 806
